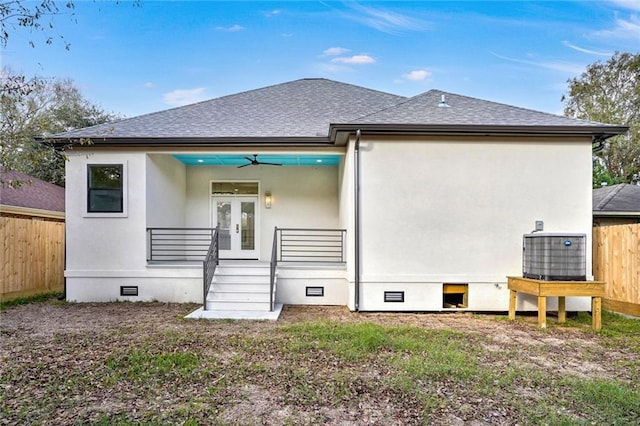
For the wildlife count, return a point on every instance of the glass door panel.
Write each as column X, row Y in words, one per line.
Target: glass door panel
column 236, row 218
column 223, row 215
column 248, row 217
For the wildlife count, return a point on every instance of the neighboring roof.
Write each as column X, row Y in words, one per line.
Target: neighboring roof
column 32, row 193
column 617, row 199
column 316, row 110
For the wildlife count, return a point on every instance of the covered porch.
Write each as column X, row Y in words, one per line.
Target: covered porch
column 264, row 229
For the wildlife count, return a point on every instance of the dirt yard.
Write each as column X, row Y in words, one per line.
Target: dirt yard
column 107, row 363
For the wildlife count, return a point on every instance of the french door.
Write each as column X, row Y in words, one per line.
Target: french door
column 236, row 217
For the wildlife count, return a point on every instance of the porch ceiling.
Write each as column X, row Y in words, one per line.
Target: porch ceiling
column 239, row 159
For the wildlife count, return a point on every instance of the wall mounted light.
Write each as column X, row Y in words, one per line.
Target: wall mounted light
column 267, row 199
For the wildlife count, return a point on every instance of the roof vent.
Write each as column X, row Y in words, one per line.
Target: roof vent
column 443, row 102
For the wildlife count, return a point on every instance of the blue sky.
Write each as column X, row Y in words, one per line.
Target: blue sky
column 135, row 60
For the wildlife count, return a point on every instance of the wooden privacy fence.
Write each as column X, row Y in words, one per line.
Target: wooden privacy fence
column 616, row 260
column 31, row 257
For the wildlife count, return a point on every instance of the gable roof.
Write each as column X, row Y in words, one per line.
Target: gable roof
column 32, row 193
column 621, row 198
column 322, row 111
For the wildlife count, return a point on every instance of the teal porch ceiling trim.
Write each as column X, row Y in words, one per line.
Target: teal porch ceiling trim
column 307, row 160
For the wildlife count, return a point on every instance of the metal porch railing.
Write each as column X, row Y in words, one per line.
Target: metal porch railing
column 178, row 244
column 209, row 264
column 186, row 245
column 305, row 245
column 311, row 245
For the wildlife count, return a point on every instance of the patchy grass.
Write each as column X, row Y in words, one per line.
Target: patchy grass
column 141, row 363
column 38, row 298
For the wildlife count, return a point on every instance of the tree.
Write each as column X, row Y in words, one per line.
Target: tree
column 609, row 92
column 36, row 107
column 37, row 15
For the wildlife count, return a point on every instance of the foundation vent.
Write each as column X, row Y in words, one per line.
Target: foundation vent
column 314, row 291
column 394, row 296
column 128, row 290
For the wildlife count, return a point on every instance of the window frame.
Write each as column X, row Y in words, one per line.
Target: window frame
column 123, row 191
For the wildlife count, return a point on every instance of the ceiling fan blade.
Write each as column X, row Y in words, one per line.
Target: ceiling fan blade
column 270, row 164
column 250, row 159
column 245, row 165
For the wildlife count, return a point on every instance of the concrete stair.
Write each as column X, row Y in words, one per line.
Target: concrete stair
column 240, row 286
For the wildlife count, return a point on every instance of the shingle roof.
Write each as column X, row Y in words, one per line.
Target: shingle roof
column 464, row 110
column 306, row 108
column 32, row 193
column 617, row 198
column 301, row 108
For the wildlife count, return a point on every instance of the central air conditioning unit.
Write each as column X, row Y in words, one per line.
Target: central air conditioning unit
column 554, row 257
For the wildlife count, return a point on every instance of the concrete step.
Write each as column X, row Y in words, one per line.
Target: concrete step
column 239, row 286
column 237, row 305
column 241, row 268
column 240, row 295
column 231, row 278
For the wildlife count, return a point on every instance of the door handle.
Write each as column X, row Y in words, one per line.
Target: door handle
column 237, row 228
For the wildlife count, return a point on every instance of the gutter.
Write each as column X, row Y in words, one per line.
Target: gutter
column 182, row 142
column 356, row 233
column 339, row 132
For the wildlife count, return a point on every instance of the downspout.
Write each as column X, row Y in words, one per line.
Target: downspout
column 356, row 230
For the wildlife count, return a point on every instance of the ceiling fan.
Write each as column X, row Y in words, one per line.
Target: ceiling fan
column 254, row 162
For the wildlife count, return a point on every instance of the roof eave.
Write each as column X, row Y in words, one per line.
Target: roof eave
column 193, row 142
column 30, row 211
column 598, row 213
column 340, row 132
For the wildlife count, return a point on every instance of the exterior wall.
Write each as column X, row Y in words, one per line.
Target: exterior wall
column 293, row 280
column 454, row 211
column 179, row 285
column 166, row 192
column 304, row 197
column 106, row 241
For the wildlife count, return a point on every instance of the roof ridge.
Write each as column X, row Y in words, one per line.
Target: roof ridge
column 405, row 99
column 615, row 189
column 528, row 110
column 107, row 125
column 163, row 111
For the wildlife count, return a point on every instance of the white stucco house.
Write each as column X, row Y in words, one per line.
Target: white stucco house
column 382, row 202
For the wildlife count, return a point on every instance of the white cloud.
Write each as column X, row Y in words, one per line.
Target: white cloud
column 181, row 97
column 231, row 29
column 385, row 20
column 149, row 85
column 563, row 67
column 417, row 75
column 356, row 59
column 273, row 13
column 623, row 29
column 627, row 4
column 583, row 50
column 335, row 51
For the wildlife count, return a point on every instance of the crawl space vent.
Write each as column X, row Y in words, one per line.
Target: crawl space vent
column 315, row 291
column 394, row 296
column 128, row 290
